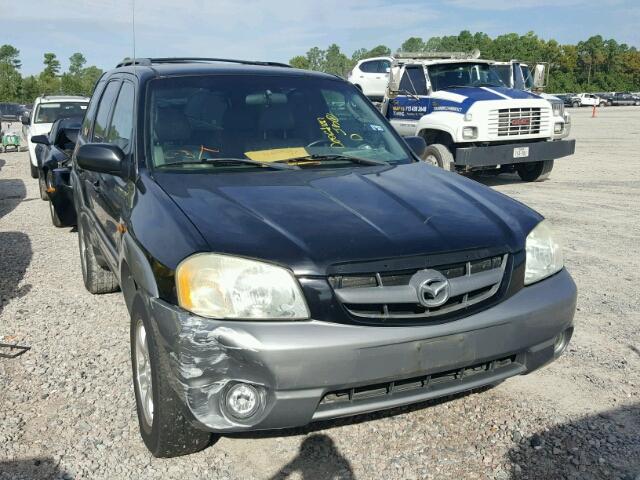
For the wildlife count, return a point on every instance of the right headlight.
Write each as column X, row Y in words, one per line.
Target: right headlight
column 228, row 287
column 544, row 254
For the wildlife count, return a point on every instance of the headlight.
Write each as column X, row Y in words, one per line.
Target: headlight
column 469, row 132
column 558, row 108
column 544, row 255
column 226, row 287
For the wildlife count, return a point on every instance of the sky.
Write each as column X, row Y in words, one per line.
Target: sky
column 277, row 30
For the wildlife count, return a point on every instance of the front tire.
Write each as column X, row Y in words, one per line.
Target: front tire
column 165, row 429
column 97, row 279
column 34, row 171
column 576, row 104
column 439, row 156
column 534, row 171
column 42, row 185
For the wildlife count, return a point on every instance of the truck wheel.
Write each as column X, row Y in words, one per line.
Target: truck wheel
column 534, row 171
column 164, row 428
column 438, row 155
column 42, row 185
column 97, row 279
column 34, row 170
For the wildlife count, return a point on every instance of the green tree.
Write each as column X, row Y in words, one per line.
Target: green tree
column 412, row 44
column 76, row 63
column 336, row 62
column 11, row 56
column 299, row 61
column 51, row 65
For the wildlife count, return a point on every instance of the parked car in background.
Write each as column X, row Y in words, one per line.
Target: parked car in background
column 286, row 257
column 46, row 110
column 371, row 76
column 54, row 156
column 11, row 112
column 587, row 100
column 606, row 96
column 625, row 98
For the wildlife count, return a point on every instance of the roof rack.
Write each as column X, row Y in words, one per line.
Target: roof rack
column 151, row 61
column 437, row 55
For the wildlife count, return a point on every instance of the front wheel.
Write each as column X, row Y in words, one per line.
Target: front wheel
column 42, row 185
column 164, row 428
column 534, row 171
column 34, row 171
column 576, row 104
column 603, row 104
column 439, row 156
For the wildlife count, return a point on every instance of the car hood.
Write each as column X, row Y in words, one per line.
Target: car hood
column 310, row 220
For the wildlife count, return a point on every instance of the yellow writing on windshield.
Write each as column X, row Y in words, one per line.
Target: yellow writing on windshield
column 330, row 126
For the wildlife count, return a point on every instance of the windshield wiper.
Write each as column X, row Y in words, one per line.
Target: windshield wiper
column 244, row 161
column 319, row 158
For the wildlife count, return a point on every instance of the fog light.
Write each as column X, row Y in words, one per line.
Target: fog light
column 242, row 400
column 560, row 343
column 557, row 128
column 469, row 132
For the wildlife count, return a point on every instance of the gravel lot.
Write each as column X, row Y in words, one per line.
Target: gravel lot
column 67, row 405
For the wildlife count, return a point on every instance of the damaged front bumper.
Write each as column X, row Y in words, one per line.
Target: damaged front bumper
column 307, row 371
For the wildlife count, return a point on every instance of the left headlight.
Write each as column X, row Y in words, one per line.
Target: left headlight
column 558, row 108
column 544, row 254
column 227, row 287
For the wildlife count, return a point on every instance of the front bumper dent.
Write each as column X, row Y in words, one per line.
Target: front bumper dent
column 296, row 364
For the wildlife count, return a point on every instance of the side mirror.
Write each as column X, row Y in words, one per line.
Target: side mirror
column 101, row 157
column 41, row 139
column 417, row 145
column 26, row 120
column 540, row 75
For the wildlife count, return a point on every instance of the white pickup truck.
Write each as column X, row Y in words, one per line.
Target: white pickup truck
column 587, row 100
column 470, row 120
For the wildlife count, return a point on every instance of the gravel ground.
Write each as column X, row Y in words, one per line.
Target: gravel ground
column 67, row 405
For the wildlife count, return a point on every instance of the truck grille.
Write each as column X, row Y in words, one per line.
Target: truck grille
column 510, row 122
column 388, row 296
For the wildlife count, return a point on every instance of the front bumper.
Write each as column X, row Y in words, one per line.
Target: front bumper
column 503, row 154
column 297, row 364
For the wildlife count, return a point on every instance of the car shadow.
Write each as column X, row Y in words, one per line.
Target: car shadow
column 39, row 468
column 12, row 192
column 606, row 445
column 494, row 180
column 15, row 257
column 317, row 459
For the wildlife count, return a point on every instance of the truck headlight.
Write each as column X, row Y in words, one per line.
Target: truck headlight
column 558, row 109
column 544, row 255
column 469, row 132
column 227, row 287
column 558, row 127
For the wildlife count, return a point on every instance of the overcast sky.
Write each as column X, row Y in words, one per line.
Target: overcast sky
column 279, row 29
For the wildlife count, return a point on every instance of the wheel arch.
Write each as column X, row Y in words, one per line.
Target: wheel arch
column 434, row 135
column 135, row 272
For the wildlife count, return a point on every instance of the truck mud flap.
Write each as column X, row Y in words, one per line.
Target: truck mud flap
column 514, row 153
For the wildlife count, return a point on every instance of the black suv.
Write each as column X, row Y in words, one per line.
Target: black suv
column 285, row 257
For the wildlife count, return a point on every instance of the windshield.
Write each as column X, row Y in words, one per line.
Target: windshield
column 197, row 121
column 464, row 74
column 504, row 73
column 50, row 112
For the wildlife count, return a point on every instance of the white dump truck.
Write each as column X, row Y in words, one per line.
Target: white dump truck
column 470, row 119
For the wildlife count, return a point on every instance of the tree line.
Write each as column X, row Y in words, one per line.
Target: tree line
column 593, row 65
column 78, row 80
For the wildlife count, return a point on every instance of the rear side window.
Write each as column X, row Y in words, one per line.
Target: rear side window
column 413, row 80
column 121, row 127
column 383, row 65
column 104, row 109
column 370, row 67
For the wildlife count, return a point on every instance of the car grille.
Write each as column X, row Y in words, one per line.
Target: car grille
column 509, row 122
column 384, row 296
column 416, row 384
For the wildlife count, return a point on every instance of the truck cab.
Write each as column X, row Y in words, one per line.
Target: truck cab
column 470, row 119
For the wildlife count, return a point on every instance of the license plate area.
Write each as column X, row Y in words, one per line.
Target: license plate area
column 520, row 152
